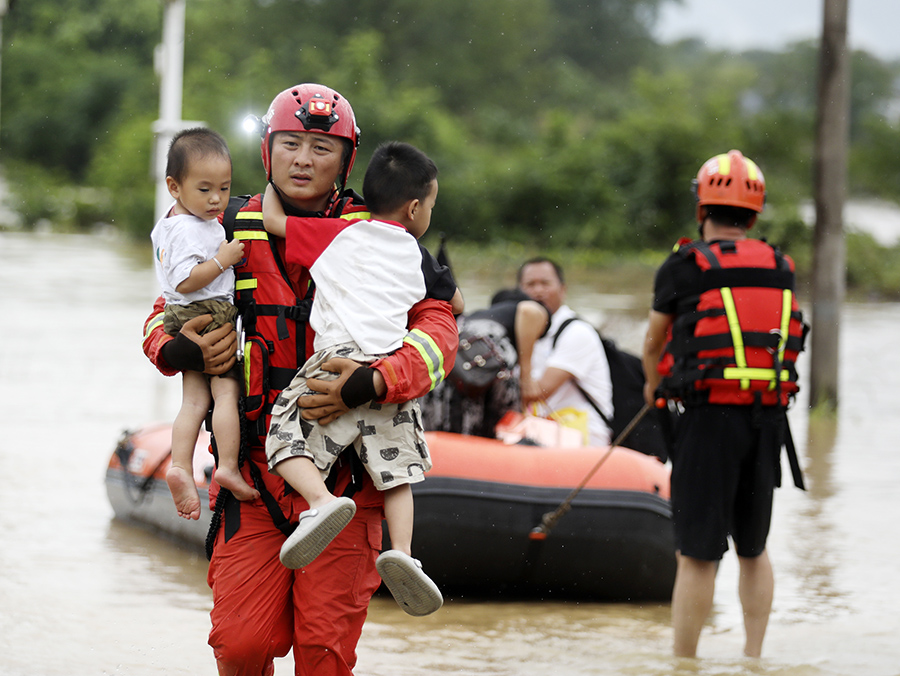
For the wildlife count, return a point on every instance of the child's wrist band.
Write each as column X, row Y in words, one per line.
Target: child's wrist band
column 216, row 261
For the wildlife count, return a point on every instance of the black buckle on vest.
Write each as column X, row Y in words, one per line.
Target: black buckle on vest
column 300, row 311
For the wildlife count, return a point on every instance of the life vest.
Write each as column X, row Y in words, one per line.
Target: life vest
column 738, row 341
column 273, row 314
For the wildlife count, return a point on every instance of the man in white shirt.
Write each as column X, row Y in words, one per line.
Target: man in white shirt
column 570, row 372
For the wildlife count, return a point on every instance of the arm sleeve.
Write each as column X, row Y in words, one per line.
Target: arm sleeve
column 308, row 237
column 676, row 280
column 155, row 337
column 427, row 354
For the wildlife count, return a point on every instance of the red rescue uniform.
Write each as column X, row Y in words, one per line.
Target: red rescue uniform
column 261, row 609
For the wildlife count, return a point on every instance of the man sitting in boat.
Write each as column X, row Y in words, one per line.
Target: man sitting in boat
column 570, row 373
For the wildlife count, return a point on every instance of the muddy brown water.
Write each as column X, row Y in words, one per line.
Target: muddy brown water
column 81, row 593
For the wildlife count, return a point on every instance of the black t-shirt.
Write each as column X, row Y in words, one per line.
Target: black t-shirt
column 678, row 280
column 439, row 282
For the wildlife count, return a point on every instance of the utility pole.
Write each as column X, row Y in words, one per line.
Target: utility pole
column 4, row 6
column 829, row 254
column 169, row 61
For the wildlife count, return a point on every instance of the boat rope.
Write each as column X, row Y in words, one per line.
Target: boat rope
column 542, row 530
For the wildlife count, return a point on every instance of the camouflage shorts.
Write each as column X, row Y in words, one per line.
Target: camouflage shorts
column 175, row 316
column 388, row 438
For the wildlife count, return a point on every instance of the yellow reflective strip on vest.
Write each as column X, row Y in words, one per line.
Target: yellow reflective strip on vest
column 734, row 326
column 786, row 298
column 251, row 234
column 248, row 347
column 786, row 302
column 244, row 284
column 248, row 216
column 430, row 354
column 735, row 373
column 356, row 214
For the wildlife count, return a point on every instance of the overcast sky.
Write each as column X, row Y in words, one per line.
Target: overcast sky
column 874, row 25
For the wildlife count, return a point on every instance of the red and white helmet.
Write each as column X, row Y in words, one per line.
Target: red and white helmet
column 309, row 107
column 730, row 179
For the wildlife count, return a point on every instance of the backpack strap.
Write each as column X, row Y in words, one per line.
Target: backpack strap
column 562, row 328
column 589, row 398
column 235, row 204
column 595, row 406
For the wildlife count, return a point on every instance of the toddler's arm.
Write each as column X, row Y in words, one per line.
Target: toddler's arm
column 230, row 253
column 274, row 218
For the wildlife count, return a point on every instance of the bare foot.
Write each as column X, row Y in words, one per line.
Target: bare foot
column 234, row 481
column 184, row 492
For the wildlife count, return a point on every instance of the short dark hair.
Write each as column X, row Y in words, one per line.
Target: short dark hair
column 541, row 259
column 726, row 214
column 192, row 144
column 397, row 173
column 506, row 295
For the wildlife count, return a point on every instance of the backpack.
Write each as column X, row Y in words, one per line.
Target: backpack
column 650, row 435
column 485, row 354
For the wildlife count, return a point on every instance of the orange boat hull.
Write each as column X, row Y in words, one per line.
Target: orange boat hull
column 474, row 513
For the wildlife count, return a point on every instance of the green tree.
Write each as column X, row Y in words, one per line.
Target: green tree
column 64, row 80
column 550, row 120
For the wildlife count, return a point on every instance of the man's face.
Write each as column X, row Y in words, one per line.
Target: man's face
column 540, row 282
column 305, row 167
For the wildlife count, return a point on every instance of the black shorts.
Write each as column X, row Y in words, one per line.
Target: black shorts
column 725, row 467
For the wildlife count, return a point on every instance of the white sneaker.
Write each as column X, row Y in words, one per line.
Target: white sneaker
column 315, row 530
column 413, row 590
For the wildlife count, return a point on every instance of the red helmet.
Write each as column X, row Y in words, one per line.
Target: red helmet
column 731, row 179
column 309, row 107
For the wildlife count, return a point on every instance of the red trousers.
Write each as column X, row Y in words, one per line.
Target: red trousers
column 261, row 609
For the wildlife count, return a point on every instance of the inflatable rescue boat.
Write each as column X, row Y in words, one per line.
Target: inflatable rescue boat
column 475, row 513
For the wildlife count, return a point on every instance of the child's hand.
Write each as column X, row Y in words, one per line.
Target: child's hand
column 274, row 219
column 230, row 253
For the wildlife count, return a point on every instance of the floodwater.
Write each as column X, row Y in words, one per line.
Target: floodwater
column 83, row 594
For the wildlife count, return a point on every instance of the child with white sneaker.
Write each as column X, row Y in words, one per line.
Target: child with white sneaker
column 368, row 274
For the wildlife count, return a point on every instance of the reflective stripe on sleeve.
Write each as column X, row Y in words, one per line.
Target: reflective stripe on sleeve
column 152, row 324
column 431, row 355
